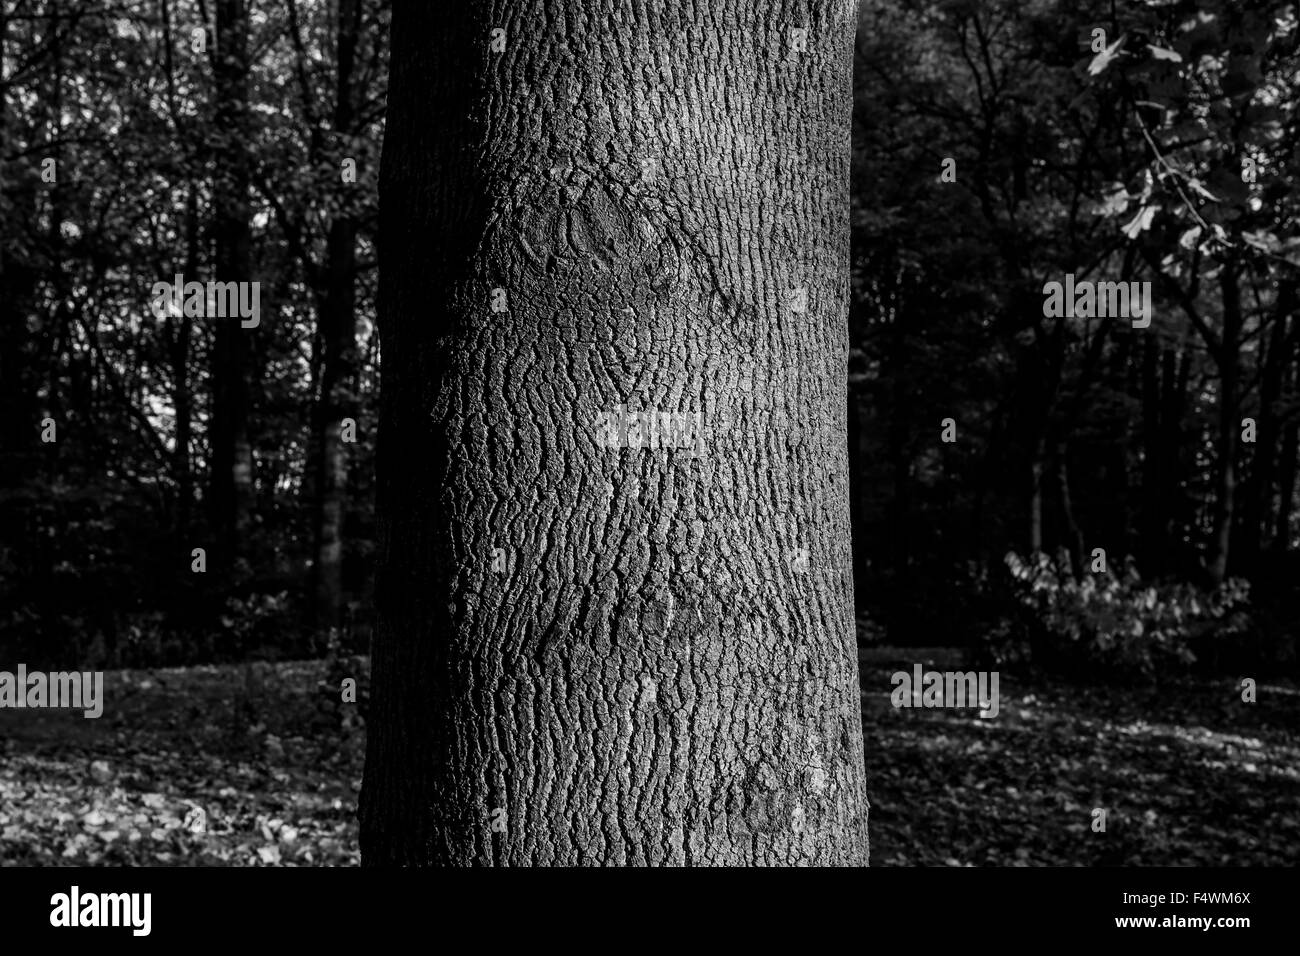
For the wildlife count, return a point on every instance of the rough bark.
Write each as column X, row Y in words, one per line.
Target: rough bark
column 654, row 677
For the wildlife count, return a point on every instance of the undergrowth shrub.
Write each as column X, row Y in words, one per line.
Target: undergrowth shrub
column 1111, row 624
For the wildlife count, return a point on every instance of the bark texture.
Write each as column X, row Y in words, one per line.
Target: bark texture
column 591, row 655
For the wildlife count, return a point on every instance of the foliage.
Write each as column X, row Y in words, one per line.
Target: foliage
column 1108, row 623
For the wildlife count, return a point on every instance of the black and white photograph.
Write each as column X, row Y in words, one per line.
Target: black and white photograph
column 826, row 434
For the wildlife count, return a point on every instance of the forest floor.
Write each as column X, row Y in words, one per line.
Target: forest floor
column 1189, row 774
column 246, row 765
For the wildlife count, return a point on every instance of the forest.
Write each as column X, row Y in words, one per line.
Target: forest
column 1153, row 144
column 1099, row 500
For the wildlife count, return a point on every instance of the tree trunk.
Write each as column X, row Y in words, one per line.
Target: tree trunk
column 1286, row 491
column 1229, row 423
column 1257, row 521
column 338, row 340
column 231, row 476
column 1037, row 464
column 1074, row 534
column 1153, row 521
column 19, row 423
column 628, row 655
column 181, row 334
column 901, row 520
column 1289, row 455
column 1179, row 511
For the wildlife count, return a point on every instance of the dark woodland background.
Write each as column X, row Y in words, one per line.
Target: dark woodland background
column 1169, row 156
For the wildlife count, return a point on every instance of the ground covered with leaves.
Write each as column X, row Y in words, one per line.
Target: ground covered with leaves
column 247, row 765
column 1187, row 773
column 256, row 765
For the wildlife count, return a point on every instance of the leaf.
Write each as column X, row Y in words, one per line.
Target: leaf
column 196, row 820
column 1102, row 59
column 1160, row 53
column 1264, row 241
column 1114, row 201
column 1141, row 222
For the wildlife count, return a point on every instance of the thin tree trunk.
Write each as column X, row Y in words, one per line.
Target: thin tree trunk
column 18, row 422
column 1036, row 467
column 338, row 340
column 1043, row 384
column 1288, row 458
column 231, row 476
column 1287, row 489
column 1178, row 510
column 1229, row 423
column 68, row 369
column 595, row 655
column 1078, row 554
column 1153, row 522
column 900, row 428
column 180, row 356
column 1257, row 519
